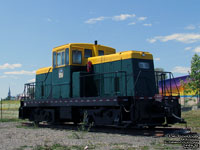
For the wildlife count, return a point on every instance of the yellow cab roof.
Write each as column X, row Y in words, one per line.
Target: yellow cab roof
column 84, row 45
column 44, row 70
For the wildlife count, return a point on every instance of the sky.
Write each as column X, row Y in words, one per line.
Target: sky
column 29, row 29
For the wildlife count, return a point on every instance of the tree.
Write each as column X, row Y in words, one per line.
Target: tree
column 193, row 83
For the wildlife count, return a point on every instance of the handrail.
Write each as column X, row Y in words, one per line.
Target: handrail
column 171, row 78
column 100, row 74
column 166, row 85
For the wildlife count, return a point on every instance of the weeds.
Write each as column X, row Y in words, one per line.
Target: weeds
column 83, row 129
column 24, row 147
column 85, row 125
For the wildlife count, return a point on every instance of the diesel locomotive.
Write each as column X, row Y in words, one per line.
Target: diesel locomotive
column 120, row 89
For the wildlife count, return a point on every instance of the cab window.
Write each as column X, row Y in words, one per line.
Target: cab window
column 144, row 65
column 76, row 57
column 60, row 58
column 54, row 59
column 67, row 56
column 101, row 52
column 88, row 53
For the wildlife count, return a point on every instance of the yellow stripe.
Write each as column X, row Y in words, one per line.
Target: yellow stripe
column 44, row 70
column 121, row 56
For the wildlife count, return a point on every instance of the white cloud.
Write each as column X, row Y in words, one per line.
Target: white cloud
column 180, row 69
column 132, row 23
column 197, row 49
column 157, row 59
column 180, row 37
column 49, row 20
column 22, row 72
column 142, row 18
column 147, row 24
column 153, row 40
column 123, row 17
column 190, row 27
column 3, row 76
column 32, row 80
column 188, row 48
column 120, row 17
column 94, row 20
column 10, row 66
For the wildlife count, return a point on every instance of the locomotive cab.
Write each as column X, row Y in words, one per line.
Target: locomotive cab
column 56, row 81
column 77, row 54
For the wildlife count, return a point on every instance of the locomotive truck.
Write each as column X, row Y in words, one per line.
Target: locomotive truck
column 120, row 89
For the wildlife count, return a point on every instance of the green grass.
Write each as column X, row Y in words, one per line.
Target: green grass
column 10, row 105
column 59, row 147
column 9, row 110
column 10, row 120
column 193, row 120
column 24, row 147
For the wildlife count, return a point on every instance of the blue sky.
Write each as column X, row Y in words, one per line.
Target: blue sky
column 29, row 29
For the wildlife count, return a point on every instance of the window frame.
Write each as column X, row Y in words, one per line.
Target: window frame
column 66, row 58
column 62, row 54
column 85, row 52
column 99, row 51
column 144, row 65
column 54, row 59
column 77, row 50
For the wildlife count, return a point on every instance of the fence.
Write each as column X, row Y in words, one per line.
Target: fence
column 9, row 109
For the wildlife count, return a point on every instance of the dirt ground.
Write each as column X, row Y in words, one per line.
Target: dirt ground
column 26, row 136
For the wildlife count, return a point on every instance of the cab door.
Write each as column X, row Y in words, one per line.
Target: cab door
column 61, row 74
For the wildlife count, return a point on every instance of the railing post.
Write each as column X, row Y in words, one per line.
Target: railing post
column 170, row 84
column 164, row 85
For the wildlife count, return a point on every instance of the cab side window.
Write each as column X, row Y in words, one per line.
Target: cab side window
column 67, row 56
column 101, row 52
column 76, row 57
column 60, row 58
column 54, row 59
column 88, row 53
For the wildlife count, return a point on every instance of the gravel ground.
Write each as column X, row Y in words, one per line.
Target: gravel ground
column 24, row 136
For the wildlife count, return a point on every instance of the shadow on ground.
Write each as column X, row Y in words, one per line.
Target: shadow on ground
column 156, row 132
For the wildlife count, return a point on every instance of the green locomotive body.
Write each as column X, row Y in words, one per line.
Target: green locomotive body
column 113, row 88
